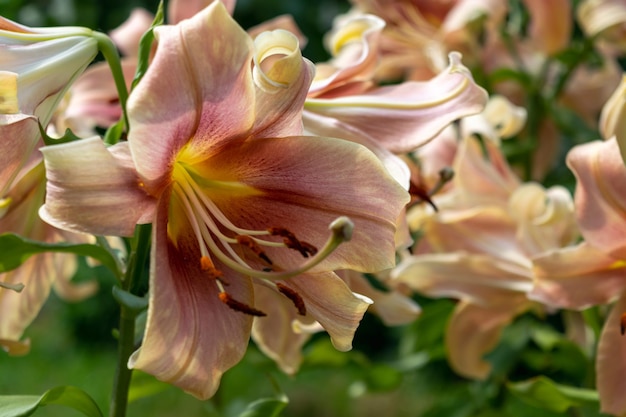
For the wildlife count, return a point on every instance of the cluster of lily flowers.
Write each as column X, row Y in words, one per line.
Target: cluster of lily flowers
column 274, row 184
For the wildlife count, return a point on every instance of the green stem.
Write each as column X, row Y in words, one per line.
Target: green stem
column 109, row 51
column 140, row 248
column 121, row 383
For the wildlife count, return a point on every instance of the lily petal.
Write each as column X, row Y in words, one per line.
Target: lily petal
column 92, row 189
column 611, row 362
column 197, row 93
column 483, row 280
column 600, row 195
column 329, row 300
column 577, row 277
column 274, row 334
column 191, row 337
column 474, row 331
column 405, row 116
column 282, row 78
column 300, row 195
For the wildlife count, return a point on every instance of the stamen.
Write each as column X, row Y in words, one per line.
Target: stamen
column 295, row 298
column 239, row 306
column 291, row 241
column 212, row 271
column 250, row 243
column 622, row 324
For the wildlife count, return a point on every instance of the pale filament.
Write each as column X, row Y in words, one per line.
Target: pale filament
column 199, row 207
column 219, row 216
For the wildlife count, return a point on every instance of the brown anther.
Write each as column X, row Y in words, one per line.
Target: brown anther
column 251, row 244
column 290, row 240
column 239, row 306
column 622, row 324
column 308, row 248
column 295, row 298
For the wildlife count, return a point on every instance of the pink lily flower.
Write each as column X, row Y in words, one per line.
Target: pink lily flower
column 592, row 273
column 479, row 249
column 400, row 118
column 237, row 197
column 419, row 35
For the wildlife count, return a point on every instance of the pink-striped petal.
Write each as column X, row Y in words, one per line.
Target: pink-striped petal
column 191, row 337
column 184, row 93
column 600, row 195
column 405, row 116
column 611, row 362
column 305, row 183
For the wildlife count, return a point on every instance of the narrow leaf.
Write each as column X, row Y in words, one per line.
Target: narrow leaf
column 542, row 392
column 26, row 405
column 15, row 250
column 265, row 407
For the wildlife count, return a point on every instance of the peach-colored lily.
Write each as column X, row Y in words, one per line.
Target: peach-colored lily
column 605, row 20
column 398, row 118
column 419, row 35
column 593, row 272
column 216, row 163
column 479, row 248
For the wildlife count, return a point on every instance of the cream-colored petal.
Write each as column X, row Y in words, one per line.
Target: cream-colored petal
column 473, row 331
column 577, row 277
column 274, row 334
column 92, row 189
column 329, row 301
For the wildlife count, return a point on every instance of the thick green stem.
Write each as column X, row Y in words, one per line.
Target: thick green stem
column 140, row 248
column 121, row 384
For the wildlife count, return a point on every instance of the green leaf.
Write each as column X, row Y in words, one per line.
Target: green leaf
column 26, row 405
column 131, row 301
column 68, row 136
column 15, row 250
column 544, row 393
column 381, row 378
column 145, row 46
column 144, row 385
column 266, row 407
column 115, row 132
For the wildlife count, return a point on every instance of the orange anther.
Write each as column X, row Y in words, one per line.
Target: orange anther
column 205, row 263
column 239, row 306
column 622, row 324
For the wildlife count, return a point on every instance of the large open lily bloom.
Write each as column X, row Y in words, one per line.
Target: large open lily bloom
column 215, row 161
column 594, row 272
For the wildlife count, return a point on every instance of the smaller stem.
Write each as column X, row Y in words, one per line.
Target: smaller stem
column 109, row 51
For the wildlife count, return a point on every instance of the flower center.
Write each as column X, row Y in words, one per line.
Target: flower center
column 240, row 249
